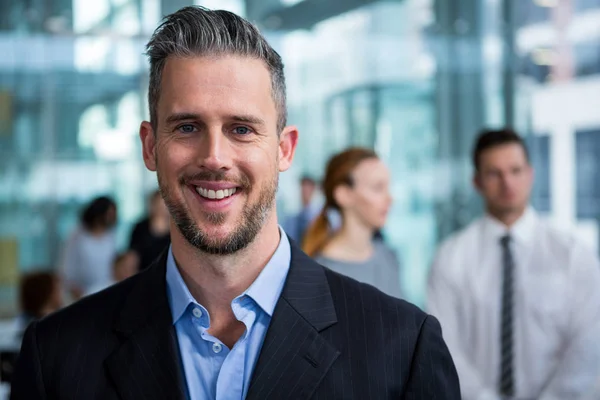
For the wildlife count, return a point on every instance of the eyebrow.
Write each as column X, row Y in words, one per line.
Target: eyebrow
column 248, row 119
column 178, row 117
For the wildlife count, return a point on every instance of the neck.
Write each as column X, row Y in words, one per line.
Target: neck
column 215, row 280
column 507, row 218
column 354, row 241
column 97, row 231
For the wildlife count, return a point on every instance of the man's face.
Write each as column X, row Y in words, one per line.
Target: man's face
column 110, row 219
column 307, row 189
column 216, row 150
column 505, row 178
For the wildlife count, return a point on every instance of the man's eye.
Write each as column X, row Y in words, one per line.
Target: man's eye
column 242, row 130
column 187, row 128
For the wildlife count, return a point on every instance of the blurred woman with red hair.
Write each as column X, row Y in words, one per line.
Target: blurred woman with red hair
column 356, row 185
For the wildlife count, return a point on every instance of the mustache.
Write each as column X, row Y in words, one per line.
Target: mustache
column 216, row 176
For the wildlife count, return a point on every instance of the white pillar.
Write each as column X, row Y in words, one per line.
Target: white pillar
column 562, row 176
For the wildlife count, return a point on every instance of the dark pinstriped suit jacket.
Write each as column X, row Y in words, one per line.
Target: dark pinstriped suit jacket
column 330, row 338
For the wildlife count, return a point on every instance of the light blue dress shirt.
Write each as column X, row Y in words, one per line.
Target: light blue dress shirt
column 212, row 371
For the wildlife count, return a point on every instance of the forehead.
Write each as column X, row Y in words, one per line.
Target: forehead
column 229, row 82
column 371, row 169
column 503, row 155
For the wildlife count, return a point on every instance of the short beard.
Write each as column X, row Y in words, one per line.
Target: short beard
column 252, row 220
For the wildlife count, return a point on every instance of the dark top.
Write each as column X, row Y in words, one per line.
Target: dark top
column 146, row 244
column 330, row 337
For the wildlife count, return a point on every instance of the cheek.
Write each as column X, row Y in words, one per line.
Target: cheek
column 258, row 161
column 490, row 188
column 371, row 204
column 173, row 158
column 525, row 183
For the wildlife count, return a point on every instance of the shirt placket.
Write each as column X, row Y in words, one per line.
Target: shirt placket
column 231, row 379
column 216, row 350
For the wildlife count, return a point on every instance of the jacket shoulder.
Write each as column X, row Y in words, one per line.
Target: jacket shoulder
column 93, row 314
column 375, row 306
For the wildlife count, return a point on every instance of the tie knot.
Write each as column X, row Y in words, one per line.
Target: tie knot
column 505, row 240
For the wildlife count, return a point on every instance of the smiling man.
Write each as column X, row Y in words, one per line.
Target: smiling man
column 233, row 309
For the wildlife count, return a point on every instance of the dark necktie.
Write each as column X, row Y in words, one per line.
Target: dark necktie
column 507, row 384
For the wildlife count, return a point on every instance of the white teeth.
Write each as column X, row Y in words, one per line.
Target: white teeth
column 215, row 194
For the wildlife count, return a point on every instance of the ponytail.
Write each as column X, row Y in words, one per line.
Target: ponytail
column 317, row 234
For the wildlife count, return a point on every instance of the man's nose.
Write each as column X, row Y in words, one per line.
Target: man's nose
column 215, row 150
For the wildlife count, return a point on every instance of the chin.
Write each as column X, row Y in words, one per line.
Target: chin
column 377, row 226
column 509, row 208
column 218, row 231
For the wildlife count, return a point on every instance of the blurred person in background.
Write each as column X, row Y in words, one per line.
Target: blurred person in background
column 91, row 248
column 151, row 236
column 40, row 294
column 518, row 300
column 356, row 185
column 295, row 225
column 125, row 265
column 234, row 310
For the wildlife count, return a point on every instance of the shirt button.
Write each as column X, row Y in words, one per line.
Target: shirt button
column 197, row 312
column 217, row 347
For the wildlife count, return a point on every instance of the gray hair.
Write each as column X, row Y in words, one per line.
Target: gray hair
column 197, row 31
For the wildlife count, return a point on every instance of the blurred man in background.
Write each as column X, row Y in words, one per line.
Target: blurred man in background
column 151, row 236
column 519, row 301
column 40, row 294
column 295, row 225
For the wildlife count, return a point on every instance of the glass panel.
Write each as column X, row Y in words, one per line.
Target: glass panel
column 557, row 83
column 407, row 142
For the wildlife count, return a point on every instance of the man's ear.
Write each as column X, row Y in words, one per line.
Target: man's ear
column 148, row 139
column 477, row 181
column 288, row 141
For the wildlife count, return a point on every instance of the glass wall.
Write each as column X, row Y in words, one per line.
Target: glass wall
column 72, row 94
column 414, row 79
column 417, row 80
column 557, row 45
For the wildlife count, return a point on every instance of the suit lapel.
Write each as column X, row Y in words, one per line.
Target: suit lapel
column 147, row 364
column 295, row 357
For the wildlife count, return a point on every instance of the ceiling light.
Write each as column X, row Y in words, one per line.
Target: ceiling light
column 546, row 3
column 543, row 56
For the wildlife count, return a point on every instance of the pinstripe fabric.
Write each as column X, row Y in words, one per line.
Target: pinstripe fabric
column 334, row 338
column 330, row 338
column 116, row 344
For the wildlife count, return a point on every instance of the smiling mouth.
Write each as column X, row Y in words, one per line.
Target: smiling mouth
column 215, row 194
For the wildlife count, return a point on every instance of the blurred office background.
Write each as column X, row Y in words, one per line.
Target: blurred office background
column 415, row 79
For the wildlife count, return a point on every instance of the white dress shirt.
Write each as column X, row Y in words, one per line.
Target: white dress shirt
column 556, row 309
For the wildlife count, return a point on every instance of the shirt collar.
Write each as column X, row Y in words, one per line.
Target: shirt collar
column 522, row 230
column 265, row 290
column 267, row 287
column 177, row 292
